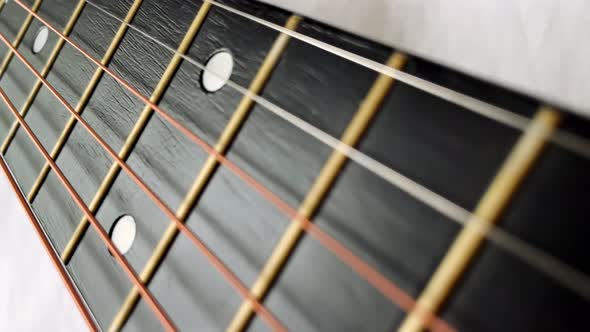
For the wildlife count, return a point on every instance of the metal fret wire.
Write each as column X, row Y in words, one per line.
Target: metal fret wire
column 152, row 302
column 546, row 263
column 381, row 283
column 234, row 281
column 49, row 248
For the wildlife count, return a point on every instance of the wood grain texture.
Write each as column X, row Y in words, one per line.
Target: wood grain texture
column 446, row 148
column 530, row 46
column 491, row 206
column 12, row 17
column 70, row 81
column 46, row 69
column 426, row 139
column 512, row 296
column 24, row 28
column 318, row 191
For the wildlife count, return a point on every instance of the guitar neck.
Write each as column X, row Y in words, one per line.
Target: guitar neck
column 346, row 185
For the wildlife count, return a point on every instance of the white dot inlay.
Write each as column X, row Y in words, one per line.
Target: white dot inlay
column 219, row 69
column 40, row 39
column 123, row 233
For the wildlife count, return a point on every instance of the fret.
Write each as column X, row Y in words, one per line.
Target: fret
column 390, row 218
column 49, row 64
column 207, row 171
column 82, row 102
column 112, row 111
column 514, row 170
column 18, row 82
column 136, row 131
column 59, row 217
column 549, row 212
column 12, row 18
column 104, row 236
column 317, row 193
column 245, row 234
column 45, row 114
column 167, row 163
column 59, row 144
column 19, row 37
column 70, row 76
column 431, row 141
column 165, row 159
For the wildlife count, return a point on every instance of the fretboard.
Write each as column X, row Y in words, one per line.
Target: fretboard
column 376, row 192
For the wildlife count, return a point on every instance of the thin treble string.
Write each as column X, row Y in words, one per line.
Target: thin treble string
column 388, row 288
column 548, row 264
column 567, row 140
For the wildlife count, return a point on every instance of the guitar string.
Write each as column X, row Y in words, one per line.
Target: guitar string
column 461, row 253
column 232, row 278
column 139, row 126
column 19, row 37
column 209, row 168
column 49, row 248
column 559, row 271
column 565, row 139
column 46, row 69
column 371, row 275
column 318, row 192
column 547, row 263
column 152, row 302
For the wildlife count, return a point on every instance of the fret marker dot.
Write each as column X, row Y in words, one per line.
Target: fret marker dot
column 123, row 233
column 40, row 39
column 218, row 71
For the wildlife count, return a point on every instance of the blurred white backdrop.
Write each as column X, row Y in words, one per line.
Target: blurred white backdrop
column 535, row 46
column 32, row 295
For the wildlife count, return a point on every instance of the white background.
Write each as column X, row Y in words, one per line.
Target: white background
column 540, row 47
column 32, row 295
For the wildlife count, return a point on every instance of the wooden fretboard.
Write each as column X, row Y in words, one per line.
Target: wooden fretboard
column 488, row 233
